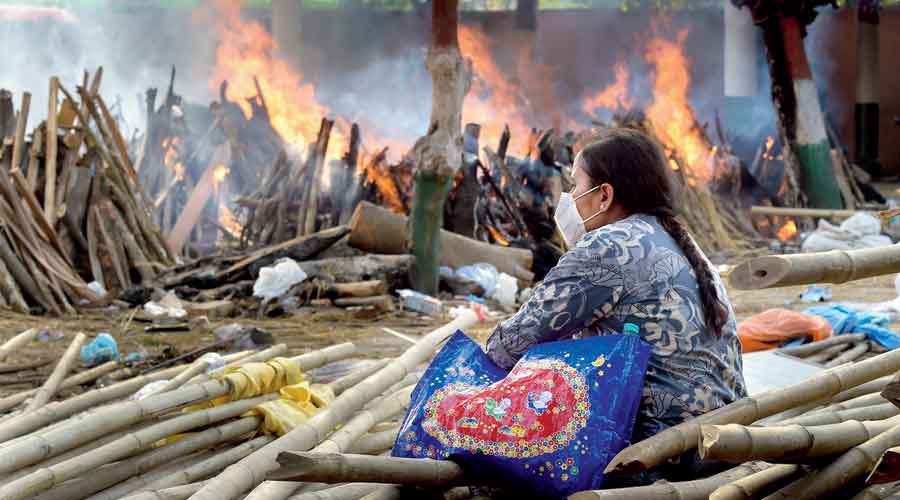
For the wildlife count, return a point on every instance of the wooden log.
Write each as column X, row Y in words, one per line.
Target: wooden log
column 754, row 485
column 44, row 479
column 380, row 302
column 50, row 160
column 835, row 266
column 344, row 468
column 377, row 230
column 37, row 146
column 21, row 275
column 72, row 381
column 850, row 355
column 368, row 288
column 252, row 470
column 9, row 290
column 308, row 226
column 392, row 269
column 43, row 395
column 194, row 206
column 685, row 436
column 300, row 248
column 21, row 125
column 828, row 353
column 15, row 343
column 814, row 347
column 848, row 467
column 887, row 469
column 699, row 489
column 819, row 213
column 786, row 443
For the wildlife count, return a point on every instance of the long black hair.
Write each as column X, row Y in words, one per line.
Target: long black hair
column 634, row 164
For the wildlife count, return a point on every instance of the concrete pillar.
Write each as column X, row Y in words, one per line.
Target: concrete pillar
column 867, row 79
column 286, row 16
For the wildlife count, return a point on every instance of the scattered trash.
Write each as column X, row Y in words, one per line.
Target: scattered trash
column 214, row 360
column 844, row 319
column 50, row 335
column 482, row 273
column 505, row 292
column 243, row 337
column 859, row 231
column 481, row 311
column 135, row 357
column 420, row 302
column 274, row 281
column 97, row 288
column 815, row 293
column 148, row 389
column 102, row 349
column 775, row 327
column 169, row 306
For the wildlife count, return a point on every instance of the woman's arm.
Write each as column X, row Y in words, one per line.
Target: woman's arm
column 585, row 285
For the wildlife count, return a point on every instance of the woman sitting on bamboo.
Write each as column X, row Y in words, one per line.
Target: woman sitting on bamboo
column 632, row 261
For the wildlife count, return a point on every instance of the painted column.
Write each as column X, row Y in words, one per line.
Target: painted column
column 286, row 15
column 811, row 140
column 867, row 79
column 742, row 49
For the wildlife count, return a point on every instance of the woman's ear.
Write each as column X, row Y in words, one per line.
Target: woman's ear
column 607, row 196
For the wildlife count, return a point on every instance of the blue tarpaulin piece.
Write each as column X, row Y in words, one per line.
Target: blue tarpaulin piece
column 846, row 320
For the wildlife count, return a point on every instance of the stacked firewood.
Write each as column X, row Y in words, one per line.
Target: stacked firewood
column 68, row 206
column 97, row 445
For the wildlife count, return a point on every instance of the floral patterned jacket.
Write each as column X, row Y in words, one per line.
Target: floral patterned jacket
column 632, row 271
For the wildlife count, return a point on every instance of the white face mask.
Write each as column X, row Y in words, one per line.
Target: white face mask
column 569, row 219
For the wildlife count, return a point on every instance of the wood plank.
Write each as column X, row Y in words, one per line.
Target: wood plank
column 50, row 160
column 21, row 125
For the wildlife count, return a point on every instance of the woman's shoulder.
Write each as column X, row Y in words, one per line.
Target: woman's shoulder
column 635, row 227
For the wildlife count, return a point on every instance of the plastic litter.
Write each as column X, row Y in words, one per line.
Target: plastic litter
column 775, row 327
column 482, row 273
column 815, row 293
column 135, row 357
column 102, row 349
column 419, row 302
column 275, row 281
column 97, row 288
column 244, row 337
column 214, row 360
column 169, row 306
column 549, row 426
column 148, row 389
column 50, row 335
column 505, row 292
column 862, row 230
column 844, row 319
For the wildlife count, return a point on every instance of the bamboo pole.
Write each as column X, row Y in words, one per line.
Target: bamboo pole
column 257, row 357
column 859, row 402
column 43, row 395
column 878, row 491
column 50, row 158
column 108, row 475
column 347, row 381
column 374, row 443
column 196, row 368
column 21, row 125
column 204, row 469
column 738, row 443
column 44, row 479
column 385, row 492
column 252, row 470
column 824, row 417
column 182, row 492
column 835, row 266
column 136, row 482
column 850, row 355
column 350, row 491
column 752, row 486
column 685, row 436
column 850, row 466
column 16, row 342
column 887, row 470
column 410, row 379
column 819, row 213
column 826, row 354
column 891, row 390
column 699, row 489
column 814, row 347
column 341, row 439
column 340, row 468
column 10, row 291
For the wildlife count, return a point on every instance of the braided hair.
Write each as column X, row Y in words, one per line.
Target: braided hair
column 635, row 165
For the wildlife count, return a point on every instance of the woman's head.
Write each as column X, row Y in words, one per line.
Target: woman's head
column 619, row 173
column 623, row 172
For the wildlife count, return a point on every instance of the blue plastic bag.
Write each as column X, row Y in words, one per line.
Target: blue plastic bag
column 846, row 320
column 549, row 427
column 100, row 350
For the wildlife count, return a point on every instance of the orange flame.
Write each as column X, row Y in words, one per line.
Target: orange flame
column 228, row 220
column 612, row 97
column 496, row 235
column 376, row 173
column 787, row 231
column 244, row 52
column 670, row 113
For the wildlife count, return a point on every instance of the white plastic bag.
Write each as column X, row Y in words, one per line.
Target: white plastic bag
column 169, row 306
column 505, row 292
column 862, row 230
column 275, row 280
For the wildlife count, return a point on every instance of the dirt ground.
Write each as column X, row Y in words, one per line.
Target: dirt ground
column 304, row 333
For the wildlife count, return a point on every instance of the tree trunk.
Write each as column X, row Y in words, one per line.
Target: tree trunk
column 867, row 78
column 438, row 154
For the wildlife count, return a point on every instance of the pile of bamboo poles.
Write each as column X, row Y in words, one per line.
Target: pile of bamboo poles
column 103, row 445
column 68, row 208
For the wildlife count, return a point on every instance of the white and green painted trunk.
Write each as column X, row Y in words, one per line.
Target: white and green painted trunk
column 867, row 78
column 742, row 49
